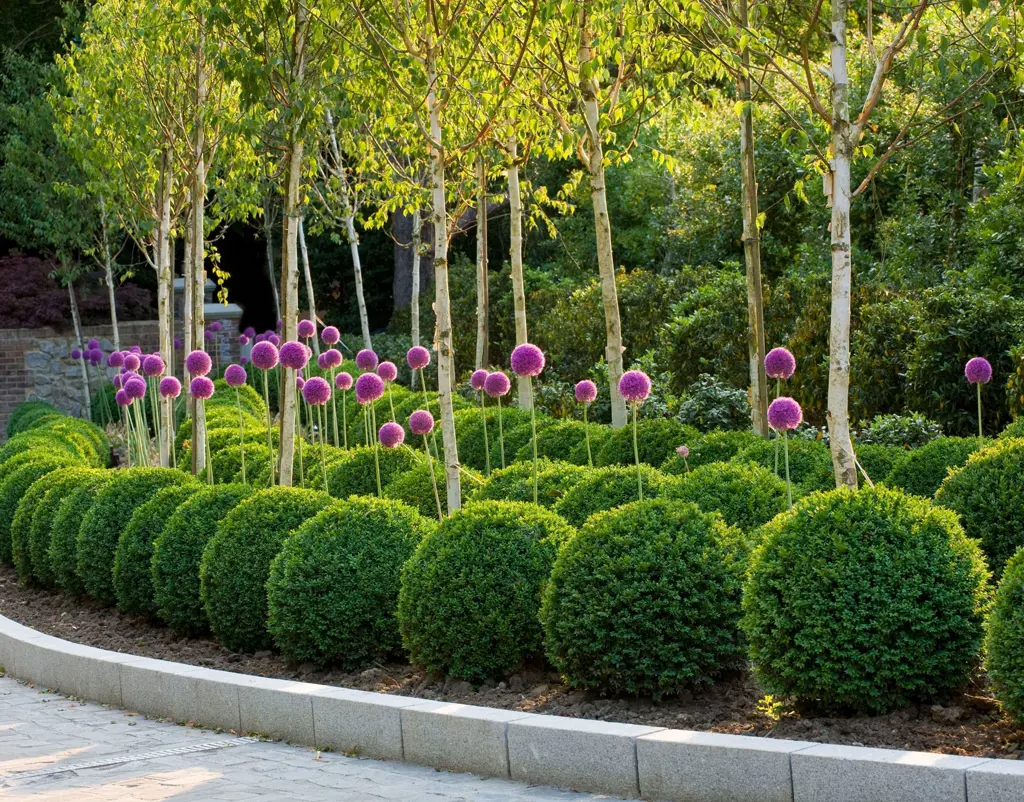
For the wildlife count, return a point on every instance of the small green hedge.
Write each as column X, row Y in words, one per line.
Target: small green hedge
column 236, row 562
column 355, row 474
column 471, row 592
column 59, row 485
column 333, row 588
column 101, row 528
column 225, row 435
column 922, row 470
column 227, row 462
column 604, row 488
column 566, row 441
column 74, row 446
column 1005, row 639
column 657, row 440
column 64, row 534
column 864, row 601
column 21, row 524
column 178, row 552
column 879, row 460
column 810, row 462
column 23, row 415
column 646, row 599
column 988, row 494
column 746, row 495
column 224, row 398
column 1014, row 430
column 15, row 482
column 471, row 438
column 515, row 483
column 716, row 446
column 133, row 583
column 415, row 489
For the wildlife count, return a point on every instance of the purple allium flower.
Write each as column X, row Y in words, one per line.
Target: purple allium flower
column 135, row 387
column 332, row 357
column 317, row 391
column 497, row 384
column 95, row 355
column 153, row 365
column 527, row 360
column 683, row 451
column 116, row 381
column 197, row 363
column 366, row 360
column 235, row 375
column 115, row 360
column 978, row 370
column 321, row 361
column 249, row 332
column 216, row 326
column 586, row 391
column 476, row 381
column 177, row 343
column 201, row 387
column 784, row 414
column 294, row 355
column 136, row 349
column 93, row 344
column 243, row 339
column 279, row 322
column 418, row 357
column 330, row 335
column 208, row 335
column 170, row 387
column 244, row 359
column 274, row 339
column 122, row 398
column 76, row 354
column 264, row 355
column 634, row 386
column 391, row 435
column 421, row 422
column 343, row 381
column 259, row 338
column 388, row 371
column 132, row 361
column 369, row 387
column 779, row 363
column 306, row 329
column 299, row 383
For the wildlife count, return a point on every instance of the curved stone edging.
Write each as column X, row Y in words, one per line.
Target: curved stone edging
column 597, row 756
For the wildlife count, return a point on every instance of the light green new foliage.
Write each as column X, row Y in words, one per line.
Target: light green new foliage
column 23, row 415
column 1004, row 643
column 60, row 485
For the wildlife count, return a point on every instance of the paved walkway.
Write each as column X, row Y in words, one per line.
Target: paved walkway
column 55, row 750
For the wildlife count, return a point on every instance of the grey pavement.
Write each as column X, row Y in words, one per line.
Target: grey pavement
column 54, row 749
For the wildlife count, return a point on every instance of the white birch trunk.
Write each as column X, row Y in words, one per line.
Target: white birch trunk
column 197, row 273
column 165, row 293
column 189, row 301
column 515, row 205
column 289, row 302
column 108, row 271
column 417, row 244
column 77, row 323
column 309, row 281
column 482, row 300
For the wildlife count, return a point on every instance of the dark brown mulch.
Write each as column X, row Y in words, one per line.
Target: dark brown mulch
column 969, row 723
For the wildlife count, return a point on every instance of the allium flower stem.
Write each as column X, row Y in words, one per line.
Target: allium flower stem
column 636, row 453
column 501, row 434
column 170, row 419
column 298, row 414
column 376, row 453
column 127, row 434
column 270, row 440
column 533, row 431
column 143, row 436
column 586, row 434
column 433, row 478
column 426, row 406
column 344, row 417
column 789, row 484
column 778, row 393
column 391, row 404
column 209, row 456
column 321, row 415
column 980, row 434
column 487, row 444
column 334, row 413
column 241, row 434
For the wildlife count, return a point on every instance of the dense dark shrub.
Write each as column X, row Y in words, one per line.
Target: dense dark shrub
column 717, row 446
column 21, row 523
column 657, row 439
column 236, row 562
column 878, row 460
column 645, row 599
column 864, row 600
column 605, row 488
column 415, row 488
column 746, row 495
column 178, row 552
column 227, row 462
column 471, row 438
column 1005, row 639
column 14, row 483
column 333, row 588
column 355, row 474
column 988, row 494
column 25, row 414
column 810, row 462
column 67, row 522
column 709, row 404
column 921, row 470
column 515, row 483
column 101, row 527
column 59, row 485
column 565, row 440
column 133, row 584
column 905, row 431
column 471, row 592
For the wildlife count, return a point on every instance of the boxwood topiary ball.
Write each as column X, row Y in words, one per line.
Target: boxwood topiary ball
column 236, row 562
column 60, row 485
column 717, row 446
column 21, row 524
column 878, row 460
column 604, row 488
column 64, row 534
column 921, row 470
column 333, row 588
column 515, row 483
column 356, row 472
column 178, row 551
column 864, row 601
column 14, row 484
column 26, row 413
column 1005, row 639
column 565, row 440
column 471, row 592
column 471, row 436
column 810, row 462
column 415, row 489
column 657, row 439
column 746, row 495
column 988, row 494
column 646, row 599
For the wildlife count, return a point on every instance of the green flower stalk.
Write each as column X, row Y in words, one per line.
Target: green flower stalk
column 528, row 360
column 634, row 387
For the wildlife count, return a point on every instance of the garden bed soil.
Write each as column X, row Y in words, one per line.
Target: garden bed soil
column 968, row 723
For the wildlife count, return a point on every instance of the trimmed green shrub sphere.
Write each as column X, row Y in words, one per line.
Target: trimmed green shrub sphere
column 224, row 397
column 15, row 483
column 225, row 435
column 604, row 488
column 64, row 534
column 415, row 489
column 746, row 495
column 333, row 588
column 59, row 485
column 988, row 494
column 23, row 415
column 566, row 441
column 471, row 592
column 515, row 483
column 879, row 460
column 178, row 552
column 810, row 461
column 922, row 470
column 236, row 562
column 716, row 446
column 1013, row 430
column 1004, row 643
column 133, row 585
column 355, row 474
column 646, row 599
column 75, row 447
column 864, row 601
column 101, row 528
column 471, row 439
column 657, row 439
column 220, row 418
column 227, row 462
column 73, row 436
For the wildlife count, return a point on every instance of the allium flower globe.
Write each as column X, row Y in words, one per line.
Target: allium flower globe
column 476, row 381
column 235, row 375
column 497, row 384
column 264, row 355
column 635, row 386
column 369, row 387
column 527, row 360
column 299, row 383
column 683, row 451
column 177, row 343
column 388, row 371
column 201, row 388
column 249, row 332
column 208, row 336
column 170, row 387
column 153, row 365
column 366, row 360
column 274, row 339
column 93, row 344
column 197, row 363
column 779, row 363
column 243, row 339
column 343, row 381
column 76, row 353
column 137, row 350
column 332, row 357
column 216, row 326
column 122, row 398
column 978, row 370
column 95, row 356
column 586, row 391
column 294, row 355
column 421, row 422
column 135, row 387
column 391, row 435
column 306, row 328
column 115, row 360
column 330, row 335
column 244, row 359
column 116, row 381
column 321, row 361
column 784, row 414
column 317, row 391
column 418, row 357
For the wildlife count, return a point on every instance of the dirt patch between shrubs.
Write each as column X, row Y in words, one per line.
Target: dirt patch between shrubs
column 969, row 723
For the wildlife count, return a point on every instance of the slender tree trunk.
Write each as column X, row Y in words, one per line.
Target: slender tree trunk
column 76, row 321
column 442, row 304
column 197, row 274
column 515, row 205
column 309, row 281
column 165, row 291
column 290, row 301
column 108, row 271
column 603, row 229
column 417, row 244
column 189, row 300
column 843, row 460
column 482, row 293
column 752, row 250
column 268, row 236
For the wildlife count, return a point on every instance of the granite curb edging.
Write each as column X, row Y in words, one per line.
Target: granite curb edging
column 595, row 756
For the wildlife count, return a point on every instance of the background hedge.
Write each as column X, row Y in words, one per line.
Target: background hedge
column 810, row 462
column 657, row 440
column 746, row 495
column 921, row 470
column 355, row 473
column 1005, row 639
column 717, row 446
column 515, row 483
